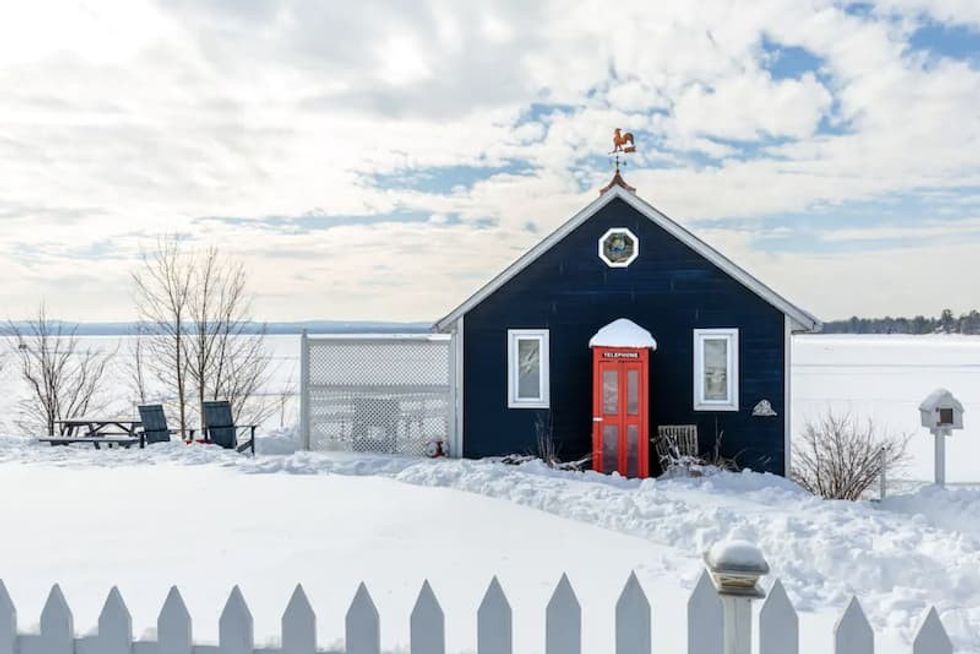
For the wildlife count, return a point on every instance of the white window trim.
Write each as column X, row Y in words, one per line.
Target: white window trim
column 513, row 401
column 700, row 403
column 627, row 262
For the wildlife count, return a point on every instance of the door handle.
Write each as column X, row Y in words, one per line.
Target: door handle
column 595, row 419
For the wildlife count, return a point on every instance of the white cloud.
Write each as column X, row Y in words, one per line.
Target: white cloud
column 124, row 120
column 753, row 105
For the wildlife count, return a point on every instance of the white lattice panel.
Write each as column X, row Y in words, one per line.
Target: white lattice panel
column 378, row 394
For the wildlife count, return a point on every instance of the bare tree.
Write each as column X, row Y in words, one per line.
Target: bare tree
column 839, row 457
column 204, row 336
column 226, row 354
column 136, row 366
column 163, row 290
column 63, row 377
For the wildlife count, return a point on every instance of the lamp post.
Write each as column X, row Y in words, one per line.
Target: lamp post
column 736, row 568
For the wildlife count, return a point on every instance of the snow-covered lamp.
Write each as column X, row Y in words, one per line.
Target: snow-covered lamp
column 736, row 567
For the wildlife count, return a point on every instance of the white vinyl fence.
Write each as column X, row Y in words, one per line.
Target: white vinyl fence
column 713, row 628
column 383, row 393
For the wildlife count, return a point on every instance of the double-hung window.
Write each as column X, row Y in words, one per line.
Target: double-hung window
column 716, row 369
column 527, row 369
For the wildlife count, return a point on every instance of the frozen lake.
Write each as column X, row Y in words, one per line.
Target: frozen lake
column 882, row 377
column 885, row 378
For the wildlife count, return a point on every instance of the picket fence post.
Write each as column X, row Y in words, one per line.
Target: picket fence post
column 563, row 621
column 931, row 637
column 8, row 622
column 427, row 625
column 494, row 627
column 363, row 628
column 115, row 625
column 174, row 634
column 633, row 619
column 853, row 633
column 235, row 631
column 298, row 625
column 57, row 626
column 779, row 626
column 704, row 618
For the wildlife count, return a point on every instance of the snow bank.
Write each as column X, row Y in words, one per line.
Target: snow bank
column 283, row 441
column 899, row 557
column 623, row 333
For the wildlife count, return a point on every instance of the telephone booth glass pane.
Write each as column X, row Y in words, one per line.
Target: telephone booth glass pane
column 633, row 392
column 632, row 450
column 610, row 448
column 610, row 392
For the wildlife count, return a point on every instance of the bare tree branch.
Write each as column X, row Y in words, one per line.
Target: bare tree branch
column 64, row 380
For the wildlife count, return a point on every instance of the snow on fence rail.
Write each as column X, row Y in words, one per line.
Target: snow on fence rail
column 717, row 624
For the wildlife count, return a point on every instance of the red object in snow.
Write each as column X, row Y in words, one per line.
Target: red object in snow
column 621, row 411
column 435, row 448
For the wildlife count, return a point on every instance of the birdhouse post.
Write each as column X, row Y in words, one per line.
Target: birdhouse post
column 941, row 413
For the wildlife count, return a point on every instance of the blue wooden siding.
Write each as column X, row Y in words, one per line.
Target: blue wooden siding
column 670, row 290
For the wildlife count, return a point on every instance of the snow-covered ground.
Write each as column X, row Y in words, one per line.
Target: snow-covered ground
column 207, row 519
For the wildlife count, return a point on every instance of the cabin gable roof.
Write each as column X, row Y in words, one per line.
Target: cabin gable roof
column 802, row 320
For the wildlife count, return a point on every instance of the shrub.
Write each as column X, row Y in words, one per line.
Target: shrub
column 839, row 457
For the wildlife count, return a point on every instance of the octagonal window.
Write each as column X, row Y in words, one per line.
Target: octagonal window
column 619, row 247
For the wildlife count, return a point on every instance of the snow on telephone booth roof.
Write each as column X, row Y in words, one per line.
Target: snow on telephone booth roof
column 623, row 333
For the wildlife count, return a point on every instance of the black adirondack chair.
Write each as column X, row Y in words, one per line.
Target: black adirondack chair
column 220, row 427
column 154, row 425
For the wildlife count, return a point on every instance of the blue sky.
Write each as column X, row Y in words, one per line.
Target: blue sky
column 380, row 161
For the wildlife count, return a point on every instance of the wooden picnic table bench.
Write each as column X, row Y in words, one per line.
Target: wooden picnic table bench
column 120, row 432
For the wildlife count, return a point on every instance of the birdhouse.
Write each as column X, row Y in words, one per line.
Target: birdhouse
column 941, row 412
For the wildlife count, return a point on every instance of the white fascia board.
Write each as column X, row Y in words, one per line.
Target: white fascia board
column 803, row 320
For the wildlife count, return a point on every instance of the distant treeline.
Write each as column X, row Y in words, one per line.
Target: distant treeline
column 946, row 323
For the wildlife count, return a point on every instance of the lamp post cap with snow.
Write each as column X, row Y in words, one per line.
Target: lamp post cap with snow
column 736, row 566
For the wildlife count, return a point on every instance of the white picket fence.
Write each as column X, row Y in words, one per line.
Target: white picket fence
column 777, row 626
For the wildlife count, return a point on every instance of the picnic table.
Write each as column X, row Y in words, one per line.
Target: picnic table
column 122, row 432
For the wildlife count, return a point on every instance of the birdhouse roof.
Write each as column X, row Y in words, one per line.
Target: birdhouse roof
column 940, row 399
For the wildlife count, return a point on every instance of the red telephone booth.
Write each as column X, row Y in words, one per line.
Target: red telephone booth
column 620, row 401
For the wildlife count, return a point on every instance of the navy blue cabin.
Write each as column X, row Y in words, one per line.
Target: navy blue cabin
column 722, row 340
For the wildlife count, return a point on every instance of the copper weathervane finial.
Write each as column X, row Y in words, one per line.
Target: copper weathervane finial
column 623, row 144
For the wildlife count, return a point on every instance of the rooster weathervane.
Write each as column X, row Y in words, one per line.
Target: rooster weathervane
column 623, row 144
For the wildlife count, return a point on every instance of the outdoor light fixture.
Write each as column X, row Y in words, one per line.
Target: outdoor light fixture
column 736, row 567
